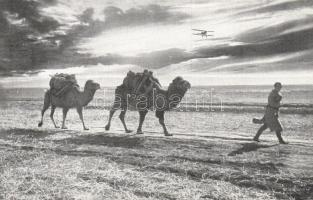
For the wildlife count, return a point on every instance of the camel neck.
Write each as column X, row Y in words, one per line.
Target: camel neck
column 176, row 92
column 87, row 96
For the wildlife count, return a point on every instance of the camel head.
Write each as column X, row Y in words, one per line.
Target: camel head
column 179, row 86
column 91, row 85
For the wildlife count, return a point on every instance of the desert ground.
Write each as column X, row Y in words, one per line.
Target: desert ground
column 210, row 156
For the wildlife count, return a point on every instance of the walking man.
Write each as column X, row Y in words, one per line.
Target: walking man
column 270, row 119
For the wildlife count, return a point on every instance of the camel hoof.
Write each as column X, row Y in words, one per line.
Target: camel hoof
column 128, row 131
column 168, row 134
column 40, row 124
column 64, row 127
column 283, row 142
column 107, row 127
column 139, row 132
column 86, row 129
column 256, row 140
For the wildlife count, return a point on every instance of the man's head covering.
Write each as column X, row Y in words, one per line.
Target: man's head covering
column 277, row 84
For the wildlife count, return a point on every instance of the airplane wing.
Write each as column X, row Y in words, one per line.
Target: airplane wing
column 201, row 30
column 198, row 29
column 201, row 34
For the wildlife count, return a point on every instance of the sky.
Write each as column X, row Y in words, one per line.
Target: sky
column 253, row 42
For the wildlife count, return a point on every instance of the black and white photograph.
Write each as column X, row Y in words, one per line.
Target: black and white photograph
column 156, row 99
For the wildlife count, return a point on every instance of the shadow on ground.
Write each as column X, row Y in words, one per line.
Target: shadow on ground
column 221, row 138
column 248, row 147
column 127, row 141
column 30, row 133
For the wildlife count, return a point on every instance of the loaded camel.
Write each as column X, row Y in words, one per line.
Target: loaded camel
column 158, row 99
column 71, row 99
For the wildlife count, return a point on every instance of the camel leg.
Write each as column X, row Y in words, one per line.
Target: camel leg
column 80, row 113
column 112, row 111
column 122, row 118
column 51, row 116
column 160, row 115
column 46, row 105
column 118, row 104
column 65, row 110
column 142, row 115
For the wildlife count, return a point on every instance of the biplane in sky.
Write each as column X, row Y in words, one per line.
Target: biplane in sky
column 203, row 33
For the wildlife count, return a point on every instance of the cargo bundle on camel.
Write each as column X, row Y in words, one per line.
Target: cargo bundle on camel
column 140, row 83
column 64, row 93
column 60, row 84
column 143, row 92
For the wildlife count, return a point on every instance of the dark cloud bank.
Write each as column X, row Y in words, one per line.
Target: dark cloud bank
column 281, row 6
column 34, row 43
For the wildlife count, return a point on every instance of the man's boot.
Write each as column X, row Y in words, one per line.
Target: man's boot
column 260, row 131
column 256, row 137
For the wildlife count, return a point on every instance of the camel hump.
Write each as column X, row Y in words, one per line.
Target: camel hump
column 130, row 73
column 61, row 83
column 135, row 82
column 130, row 81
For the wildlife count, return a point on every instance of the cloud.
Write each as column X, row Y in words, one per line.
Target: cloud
column 294, row 41
column 116, row 17
column 29, row 12
column 273, row 31
column 163, row 58
column 153, row 60
column 22, row 25
column 281, row 6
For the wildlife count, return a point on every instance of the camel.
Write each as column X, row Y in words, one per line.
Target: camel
column 159, row 100
column 72, row 99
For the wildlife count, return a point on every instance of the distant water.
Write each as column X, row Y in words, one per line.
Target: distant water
column 296, row 98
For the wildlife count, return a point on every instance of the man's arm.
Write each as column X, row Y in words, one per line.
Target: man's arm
column 278, row 97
